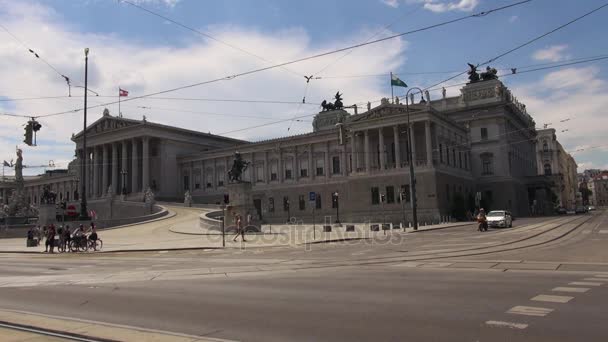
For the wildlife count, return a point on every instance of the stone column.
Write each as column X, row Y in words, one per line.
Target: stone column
column 114, row 181
column 366, row 149
column 311, row 162
column 397, row 146
column 104, row 171
column 353, row 153
column 253, row 171
column 429, row 144
column 89, row 172
column 296, row 164
column 134, row 166
column 381, row 149
column 95, row 171
column 328, row 169
column 344, row 161
column 280, row 170
column 413, row 141
column 215, row 178
column 266, row 168
column 125, row 160
column 145, row 163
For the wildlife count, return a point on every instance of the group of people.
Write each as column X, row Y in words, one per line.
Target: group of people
column 61, row 236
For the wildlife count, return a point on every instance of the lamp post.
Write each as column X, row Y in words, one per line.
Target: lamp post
column 84, row 214
column 409, row 152
column 123, row 173
column 337, row 201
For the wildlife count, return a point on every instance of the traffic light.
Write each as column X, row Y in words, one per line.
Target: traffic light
column 226, row 199
column 36, row 125
column 29, row 134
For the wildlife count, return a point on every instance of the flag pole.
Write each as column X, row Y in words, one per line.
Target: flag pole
column 392, row 96
column 119, row 102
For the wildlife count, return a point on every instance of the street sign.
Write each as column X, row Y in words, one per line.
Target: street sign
column 71, row 210
column 312, row 196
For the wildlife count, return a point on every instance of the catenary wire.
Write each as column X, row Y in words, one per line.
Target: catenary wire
column 231, row 77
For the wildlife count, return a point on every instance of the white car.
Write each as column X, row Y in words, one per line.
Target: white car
column 499, row 218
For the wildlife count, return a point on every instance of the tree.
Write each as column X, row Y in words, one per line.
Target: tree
column 585, row 193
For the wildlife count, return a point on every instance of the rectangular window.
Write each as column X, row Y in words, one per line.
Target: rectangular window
column 302, row 202
column 197, row 179
column 318, row 201
column 454, row 157
column 375, row 195
column 285, row 203
column 441, row 153
column 220, row 183
column 460, row 160
column 288, row 168
column 273, row 171
column 287, row 174
column 487, row 166
column 484, row 133
column 466, row 161
column 320, row 167
column 447, row 155
column 304, row 173
column 259, row 172
column 405, row 193
column 270, row 205
column 390, row 194
column 186, row 182
column 335, row 165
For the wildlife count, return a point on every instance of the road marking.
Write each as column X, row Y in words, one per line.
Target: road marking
column 596, row 279
column 603, row 231
column 507, row 324
column 552, row 299
column 585, row 283
column 601, row 275
column 529, row 311
column 571, row 289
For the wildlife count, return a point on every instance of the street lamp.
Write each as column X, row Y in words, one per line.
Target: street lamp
column 84, row 214
column 335, row 196
column 124, row 181
column 409, row 152
column 287, row 207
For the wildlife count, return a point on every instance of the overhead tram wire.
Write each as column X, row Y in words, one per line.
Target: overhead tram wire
column 206, row 35
column 491, row 60
column 231, row 77
column 65, row 78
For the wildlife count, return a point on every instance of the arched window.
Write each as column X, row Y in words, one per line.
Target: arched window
column 545, row 146
column 547, row 169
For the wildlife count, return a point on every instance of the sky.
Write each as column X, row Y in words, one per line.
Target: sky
column 142, row 53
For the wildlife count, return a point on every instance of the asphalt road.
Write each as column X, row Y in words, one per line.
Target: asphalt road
column 325, row 293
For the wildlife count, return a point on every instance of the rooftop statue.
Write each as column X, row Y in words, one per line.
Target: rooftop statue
column 238, row 167
column 473, row 75
column 489, row 74
column 327, row 106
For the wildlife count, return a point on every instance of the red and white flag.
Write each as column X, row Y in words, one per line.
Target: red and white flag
column 122, row 93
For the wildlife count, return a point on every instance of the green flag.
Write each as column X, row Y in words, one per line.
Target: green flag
column 396, row 82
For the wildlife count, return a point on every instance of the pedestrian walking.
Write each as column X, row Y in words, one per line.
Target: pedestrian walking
column 51, row 237
column 47, row 242
column 239, row 229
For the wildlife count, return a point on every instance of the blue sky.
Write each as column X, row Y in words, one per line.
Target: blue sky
column 143, row 53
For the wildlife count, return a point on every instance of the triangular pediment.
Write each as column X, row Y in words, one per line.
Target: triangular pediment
column 384, row 111
column 108, row 123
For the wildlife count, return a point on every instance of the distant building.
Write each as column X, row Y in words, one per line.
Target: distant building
column 599, row 189
column 555, row 163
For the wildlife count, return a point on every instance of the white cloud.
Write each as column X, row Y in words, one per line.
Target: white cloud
column 441, row 6
column 578, row 94
column 391, row 3
column 115, row 60
column 553, row 53
column 168, row 3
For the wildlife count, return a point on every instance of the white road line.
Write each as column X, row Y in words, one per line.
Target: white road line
column 529, row 311
column 552, row 299
column 507, row 324
column 596, row 279
column 585, row 283
column 603, row 231
column 571, row 289
column 601, row 275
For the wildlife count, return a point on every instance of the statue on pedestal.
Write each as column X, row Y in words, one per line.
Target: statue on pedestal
column 473, row 75
column 428, row 97
column 188, row 199
column 327, row 106
column 238, row 167
column 149, row 197
column 110, row 192
column 489, row 74
column 443, row 92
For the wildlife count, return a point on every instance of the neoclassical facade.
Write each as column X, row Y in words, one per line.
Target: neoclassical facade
column 478, row 148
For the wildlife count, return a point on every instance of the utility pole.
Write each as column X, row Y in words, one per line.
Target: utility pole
column 84, row 214
column 409, row 151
